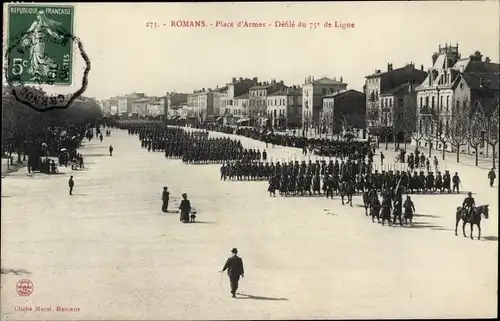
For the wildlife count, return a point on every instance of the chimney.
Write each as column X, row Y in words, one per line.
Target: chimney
column 434, row 58
column 273, row 81
column 335, row 79
column 281, row 82
column 377, row 71
column 241, row 78
column 255, row 79
column 389, row 67
column 341, row 79
column 234, row 79
column 422, row 67
column 487, row 59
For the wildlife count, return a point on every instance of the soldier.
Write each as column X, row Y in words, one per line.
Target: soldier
column 491, row 176
column 456, row 183
column 71, row 184
column 409, row 210
column 447, row 181
column 110, row 150
column 165, row 197
column 469, row 203
column 234, row 267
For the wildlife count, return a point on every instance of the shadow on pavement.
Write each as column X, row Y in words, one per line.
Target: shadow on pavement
column 80, row 194
column 15, row 271
column 425, row 215
column 204, row 222
column 429, row 226
column 95, row 155
column 254, row 297
column 490, row 238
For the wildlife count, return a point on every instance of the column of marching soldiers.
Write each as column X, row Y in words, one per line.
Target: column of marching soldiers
column 355, row 173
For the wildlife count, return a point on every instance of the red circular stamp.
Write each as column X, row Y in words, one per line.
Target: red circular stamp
column 24, row 287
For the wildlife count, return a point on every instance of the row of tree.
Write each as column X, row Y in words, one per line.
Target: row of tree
column 21, row 124
column 464, row 126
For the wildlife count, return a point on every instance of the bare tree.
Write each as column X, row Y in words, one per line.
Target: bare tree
column 442, row 135
column 408, row 125
column 458, row 130
column 475, row 127
column 491, row 133
column 430, row 127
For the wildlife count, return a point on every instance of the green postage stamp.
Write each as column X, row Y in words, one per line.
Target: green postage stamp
column 40, row 44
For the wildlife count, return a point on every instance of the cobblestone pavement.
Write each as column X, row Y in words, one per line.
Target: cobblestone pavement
column 109, row 251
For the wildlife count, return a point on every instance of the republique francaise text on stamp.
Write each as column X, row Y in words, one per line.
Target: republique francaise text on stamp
column 40, row 52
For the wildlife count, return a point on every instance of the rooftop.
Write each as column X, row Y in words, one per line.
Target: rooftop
column 245, row 96
column 341, row 92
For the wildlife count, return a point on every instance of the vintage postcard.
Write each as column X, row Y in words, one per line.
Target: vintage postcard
column 248, row 161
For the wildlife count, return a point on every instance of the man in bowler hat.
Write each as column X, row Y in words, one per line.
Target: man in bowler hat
column 234, row 267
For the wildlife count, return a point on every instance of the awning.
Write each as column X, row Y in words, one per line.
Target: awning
column 239, row 121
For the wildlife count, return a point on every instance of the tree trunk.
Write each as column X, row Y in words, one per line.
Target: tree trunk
column 477, row 155
column 430, row 148
column 444, row 150
column 458, row 154
column 386, row 141
column 494, row 149
column 404, row 140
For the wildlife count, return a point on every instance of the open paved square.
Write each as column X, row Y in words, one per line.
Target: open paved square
column 109, row 252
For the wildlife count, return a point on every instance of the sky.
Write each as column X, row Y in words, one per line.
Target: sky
column 127, row 56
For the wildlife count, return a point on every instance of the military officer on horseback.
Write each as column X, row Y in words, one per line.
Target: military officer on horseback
column 469, row 203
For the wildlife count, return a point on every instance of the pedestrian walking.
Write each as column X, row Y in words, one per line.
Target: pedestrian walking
column 234, row 267
column 185, row 209
column 165, row 197
column 110, row 150
column 382, row 159
column 436, row 164
column 71, row 184
column 492, row 176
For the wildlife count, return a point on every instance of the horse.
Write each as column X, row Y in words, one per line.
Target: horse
column 375, row 212
column 396, row 212
column 367, row 199
column 386, row 214
column 475, row 218
column 347, row 189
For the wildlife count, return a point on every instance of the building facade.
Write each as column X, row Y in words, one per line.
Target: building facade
column 241, row 106
column 257, row 100
column 201, row 102
column 172, row 100
column 236, row 88
column 344, row 109
column 284, row 108
column 139, row 106
column 454, row 85
column 312, row 98
column 381, row 83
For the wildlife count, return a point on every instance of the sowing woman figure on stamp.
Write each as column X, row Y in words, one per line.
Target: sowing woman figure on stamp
column 40, row 64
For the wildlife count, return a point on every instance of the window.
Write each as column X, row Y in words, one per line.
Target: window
column 433, row 102
column 441, row 103
column 427, row 101
column 447, row 103
column 458, row 104
column 421, row 102
column 323, row 91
